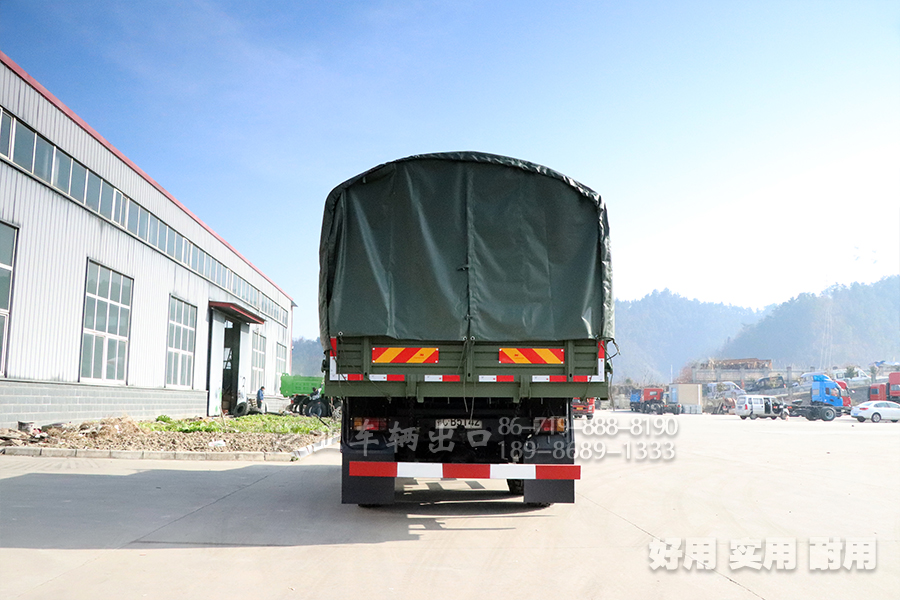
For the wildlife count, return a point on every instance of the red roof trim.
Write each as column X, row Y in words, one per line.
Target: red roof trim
column 238, row 311
column 90, row 130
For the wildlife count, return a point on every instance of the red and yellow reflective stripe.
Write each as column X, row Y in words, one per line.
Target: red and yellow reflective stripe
column 404, row 355
column 532, row 356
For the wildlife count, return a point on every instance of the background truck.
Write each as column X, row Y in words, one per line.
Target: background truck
column 464, row 300
column 583, row 407
column 826, row 401
column 886, row 391
column 688, row 397
column 653, row 400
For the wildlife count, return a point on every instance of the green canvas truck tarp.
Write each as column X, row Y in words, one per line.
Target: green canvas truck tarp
column 465, row 245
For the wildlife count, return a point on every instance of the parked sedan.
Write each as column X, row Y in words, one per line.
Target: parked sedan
column 876, row 411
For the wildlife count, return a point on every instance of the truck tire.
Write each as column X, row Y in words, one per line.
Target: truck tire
column 828, row 414
column 316, row 409
column 516, row 486
column 811, row 416
column 241, row 409
column 876, row 417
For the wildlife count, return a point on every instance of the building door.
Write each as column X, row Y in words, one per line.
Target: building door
column 228, row 375
column 232, row 388
column 214, row 364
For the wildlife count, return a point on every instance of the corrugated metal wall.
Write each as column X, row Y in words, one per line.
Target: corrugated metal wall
column 57, row 237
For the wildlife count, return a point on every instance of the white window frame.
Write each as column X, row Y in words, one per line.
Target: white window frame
column 4, row 312
column 181, row 343
column 258, row 364
column 94, row 296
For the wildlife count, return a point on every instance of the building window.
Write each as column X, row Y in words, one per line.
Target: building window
column 5, row 133
column 280, row 364
column 280, row 359
column 25, row 147
column 7, row 255
column 107, row 310
column 182, row 335
column 258, row 372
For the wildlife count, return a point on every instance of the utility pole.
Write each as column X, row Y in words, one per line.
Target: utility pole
column 790, row 385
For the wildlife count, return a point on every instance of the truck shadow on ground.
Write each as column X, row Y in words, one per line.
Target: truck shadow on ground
column 256, row 505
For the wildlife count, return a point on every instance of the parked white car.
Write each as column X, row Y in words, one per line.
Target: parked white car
column 876, row 411
column 754, row 406
column 859, row 375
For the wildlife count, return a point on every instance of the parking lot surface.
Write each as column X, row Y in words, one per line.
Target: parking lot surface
column 778, row 509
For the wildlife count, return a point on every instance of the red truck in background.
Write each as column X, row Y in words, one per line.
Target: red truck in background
column 886, row 391
column 845, row 391
column 583, row 407
column 653, row 400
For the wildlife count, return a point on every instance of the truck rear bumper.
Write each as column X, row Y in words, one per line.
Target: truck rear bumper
column 372, row 468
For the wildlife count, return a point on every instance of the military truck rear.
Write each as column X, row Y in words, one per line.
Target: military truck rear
column 465, row 299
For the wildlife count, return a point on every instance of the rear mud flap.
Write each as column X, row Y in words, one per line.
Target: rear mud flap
column 366, row 490
column 551, row 491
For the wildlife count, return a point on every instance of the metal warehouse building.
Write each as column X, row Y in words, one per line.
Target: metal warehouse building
column 114, row 298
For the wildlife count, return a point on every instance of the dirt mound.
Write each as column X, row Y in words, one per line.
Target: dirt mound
column 123, row 433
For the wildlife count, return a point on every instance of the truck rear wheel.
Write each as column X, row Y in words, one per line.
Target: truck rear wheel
column 316, row 408
column 516, row 486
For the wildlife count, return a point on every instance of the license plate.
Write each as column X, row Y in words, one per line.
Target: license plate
column 454, row 423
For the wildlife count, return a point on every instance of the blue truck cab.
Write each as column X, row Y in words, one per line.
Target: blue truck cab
column 825, row 391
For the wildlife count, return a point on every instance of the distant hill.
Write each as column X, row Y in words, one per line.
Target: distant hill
column 857, row 324
column 658, row 334
column 306, row 357
column 663, row 332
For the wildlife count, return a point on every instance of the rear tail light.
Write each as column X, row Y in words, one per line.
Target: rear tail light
column 863, row 408
column 550, row 425
column 370, row 424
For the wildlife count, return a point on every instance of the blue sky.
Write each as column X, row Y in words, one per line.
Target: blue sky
column 747, row 151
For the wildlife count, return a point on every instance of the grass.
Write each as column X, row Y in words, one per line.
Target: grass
column 283, row 424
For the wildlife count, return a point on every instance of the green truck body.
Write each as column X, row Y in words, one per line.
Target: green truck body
column 292, row 385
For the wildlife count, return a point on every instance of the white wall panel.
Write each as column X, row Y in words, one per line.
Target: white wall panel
column 59, row 236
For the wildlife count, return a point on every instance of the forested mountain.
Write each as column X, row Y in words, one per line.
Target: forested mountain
column 857, row 324
column 306, row 357
column 662, row 331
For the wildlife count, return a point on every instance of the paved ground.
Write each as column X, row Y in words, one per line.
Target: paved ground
column 81, row 528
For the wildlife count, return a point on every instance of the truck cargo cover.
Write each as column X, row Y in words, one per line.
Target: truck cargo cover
column 465, row 245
